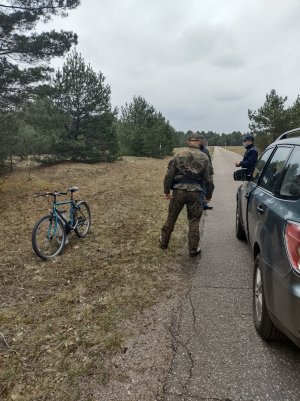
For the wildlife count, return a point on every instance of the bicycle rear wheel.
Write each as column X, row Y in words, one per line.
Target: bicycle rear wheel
column 83, row 219
column 48, row 237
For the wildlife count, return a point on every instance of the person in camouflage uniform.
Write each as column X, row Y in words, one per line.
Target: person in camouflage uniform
column 185, row 172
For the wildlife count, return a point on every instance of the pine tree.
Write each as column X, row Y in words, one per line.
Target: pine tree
column 143, row 131
column 21, row 46
column 295, row 114
column 40, row 126
column 9, row 140
column 270, row 120
column 82, row 94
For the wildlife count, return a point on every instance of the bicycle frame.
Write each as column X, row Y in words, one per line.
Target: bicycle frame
column 69, row 224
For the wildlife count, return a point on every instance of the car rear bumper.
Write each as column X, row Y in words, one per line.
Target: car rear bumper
column 283, row 301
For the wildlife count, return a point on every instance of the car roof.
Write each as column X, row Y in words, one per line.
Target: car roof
column 291, row 137
column 288, row 141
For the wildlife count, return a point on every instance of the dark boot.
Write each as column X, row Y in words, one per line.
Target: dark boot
column 161, row 244
column 194, row 253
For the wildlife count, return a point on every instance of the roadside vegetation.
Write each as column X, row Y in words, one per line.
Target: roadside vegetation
column 236, row 149
column 211, row 150
column 62, row 321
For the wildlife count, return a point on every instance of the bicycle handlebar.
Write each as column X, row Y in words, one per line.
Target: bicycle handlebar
column 57, row 193
column 54, row 193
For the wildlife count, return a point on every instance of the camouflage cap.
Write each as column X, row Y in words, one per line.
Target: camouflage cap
column 194, row 137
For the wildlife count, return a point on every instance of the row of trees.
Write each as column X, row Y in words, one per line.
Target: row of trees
column 72, row 119
column 68, row 114
column 24, row 59
column 214, row 139
column 69, row 117
column 269, row 121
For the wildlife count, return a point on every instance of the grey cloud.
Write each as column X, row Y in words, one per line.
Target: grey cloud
column 228, row 60
column 202, row 64
column 230, row 97
column 208, row 44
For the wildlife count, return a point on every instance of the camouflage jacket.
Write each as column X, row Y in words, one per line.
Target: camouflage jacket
column 187, row 170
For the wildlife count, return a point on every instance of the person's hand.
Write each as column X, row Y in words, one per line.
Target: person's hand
column 207, row 200
column 167, row 196
column 237, row 164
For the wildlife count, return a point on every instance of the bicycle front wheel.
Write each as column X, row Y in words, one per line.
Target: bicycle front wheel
column 83, row 219
column 48, row 237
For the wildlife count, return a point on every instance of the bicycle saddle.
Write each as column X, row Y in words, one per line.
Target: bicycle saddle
column 73, row 189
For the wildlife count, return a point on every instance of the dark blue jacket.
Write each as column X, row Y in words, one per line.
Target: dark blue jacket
column 250, row 159
column 206, row 151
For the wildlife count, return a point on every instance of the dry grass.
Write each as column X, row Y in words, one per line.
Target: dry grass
column 61, row 321
column 237, row 149
column 211, row 150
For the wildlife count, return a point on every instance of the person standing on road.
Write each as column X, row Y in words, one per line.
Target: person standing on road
column 203, row 199
column 250, row 156
column 185, row 174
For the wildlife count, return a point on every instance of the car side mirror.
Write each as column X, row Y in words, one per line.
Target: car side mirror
column 240, row 175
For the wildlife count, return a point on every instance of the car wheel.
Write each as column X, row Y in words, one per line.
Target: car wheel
column 262, row 321
column 239, row 230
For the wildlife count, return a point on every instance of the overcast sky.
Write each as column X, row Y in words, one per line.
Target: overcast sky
column 202, row 63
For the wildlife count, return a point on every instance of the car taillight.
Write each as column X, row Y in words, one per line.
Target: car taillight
column 292, row 240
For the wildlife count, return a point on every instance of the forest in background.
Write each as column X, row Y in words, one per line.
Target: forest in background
column 52, row 116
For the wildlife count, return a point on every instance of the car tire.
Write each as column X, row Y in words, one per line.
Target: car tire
column 262, row 321
column 239, row 230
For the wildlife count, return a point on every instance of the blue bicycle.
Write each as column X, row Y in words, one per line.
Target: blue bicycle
column 50, row 232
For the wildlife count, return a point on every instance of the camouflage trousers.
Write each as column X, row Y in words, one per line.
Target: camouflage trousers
column 180, row 198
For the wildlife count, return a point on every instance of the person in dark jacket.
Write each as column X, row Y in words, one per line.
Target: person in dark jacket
column 210, row 183
column 250, row 156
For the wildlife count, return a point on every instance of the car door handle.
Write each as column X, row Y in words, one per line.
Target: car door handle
column 260, row 210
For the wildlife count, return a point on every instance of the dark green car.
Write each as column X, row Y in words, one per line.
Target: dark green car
column 268, row 216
